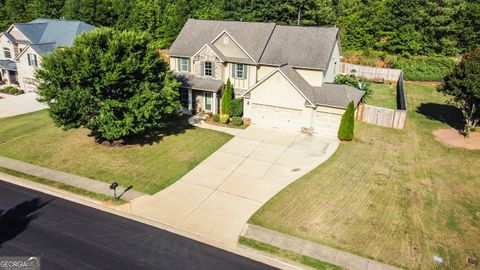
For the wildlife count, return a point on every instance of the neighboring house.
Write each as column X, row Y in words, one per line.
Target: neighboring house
column 283, row 73
column 23, row 45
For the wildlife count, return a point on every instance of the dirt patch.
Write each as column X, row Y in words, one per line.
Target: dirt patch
column 452, row 137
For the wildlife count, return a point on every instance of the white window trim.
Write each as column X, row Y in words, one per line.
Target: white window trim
column 205, row 69
column 5, row 49
column 205, row 102
column 235, row 71
column 181, row 65
column 32, row 59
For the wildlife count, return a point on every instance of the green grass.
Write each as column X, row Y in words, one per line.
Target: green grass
column 396, row 196
column 287, row 254
column 383, row 95
column 149, row 167
column 80, row 191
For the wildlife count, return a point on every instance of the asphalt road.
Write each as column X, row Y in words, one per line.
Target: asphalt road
column 71, row 236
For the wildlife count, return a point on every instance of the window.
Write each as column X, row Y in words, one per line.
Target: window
column 239, row 71
column 207, row 69
column 7, row 53
column 184, row 65
column 208, row 101
column 32, row 60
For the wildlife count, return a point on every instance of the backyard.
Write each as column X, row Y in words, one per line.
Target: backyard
column 149, row 165
column 396, row 196
column 383, row 95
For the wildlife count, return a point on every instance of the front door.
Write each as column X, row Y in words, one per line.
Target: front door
column 208, row 106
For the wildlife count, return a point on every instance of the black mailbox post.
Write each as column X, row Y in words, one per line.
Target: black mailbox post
column 113, row 187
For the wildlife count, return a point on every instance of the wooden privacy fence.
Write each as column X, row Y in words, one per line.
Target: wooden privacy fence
column 381, row 116
column 372, row 73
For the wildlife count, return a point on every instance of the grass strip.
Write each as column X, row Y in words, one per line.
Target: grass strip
column 69, row 188
column 317, row 264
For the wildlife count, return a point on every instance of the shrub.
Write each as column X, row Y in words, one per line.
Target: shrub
column 351, row 81
column 224, row 118
column 236, row 107
column 347, row 125
column 216, row 117
column 11, row 90
column 237, row 121
column 423, row 68
column 227, row 98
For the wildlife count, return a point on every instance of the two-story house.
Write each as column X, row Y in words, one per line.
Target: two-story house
column 284, row 74
column 23, row 45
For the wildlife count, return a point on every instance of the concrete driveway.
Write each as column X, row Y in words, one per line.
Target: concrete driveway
column 216, row 198
column 21, row 104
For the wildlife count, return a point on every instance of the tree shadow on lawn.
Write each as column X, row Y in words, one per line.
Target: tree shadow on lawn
column 175, row 126
column 444, row 113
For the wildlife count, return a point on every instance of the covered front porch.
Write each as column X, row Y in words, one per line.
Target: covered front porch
column 199, row 95
column 8, row 73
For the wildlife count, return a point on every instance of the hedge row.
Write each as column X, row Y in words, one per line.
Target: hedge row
column 423, row 68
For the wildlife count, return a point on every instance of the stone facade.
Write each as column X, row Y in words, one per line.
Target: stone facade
column 207, row 54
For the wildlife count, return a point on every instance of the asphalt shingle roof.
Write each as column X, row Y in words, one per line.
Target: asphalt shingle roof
column 308, row 47
column 252, row 36
column 266, row 43
column 337, row 95
column 9, row 65
column 47, row 34
column 199, row 83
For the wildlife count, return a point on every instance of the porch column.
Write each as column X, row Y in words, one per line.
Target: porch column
column 9, row 82
column 190, row 101
column 215, row 110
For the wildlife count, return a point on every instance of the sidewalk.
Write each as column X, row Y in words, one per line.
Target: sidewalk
column 69, row 179
column 313, row 250
column 199, row 122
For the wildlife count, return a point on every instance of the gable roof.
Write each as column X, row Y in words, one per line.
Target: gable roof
column 251, row 36
column 334, row 95
column 8, row 36
column 265, row 43
column 44, row 35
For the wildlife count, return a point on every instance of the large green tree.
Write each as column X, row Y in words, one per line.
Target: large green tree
column 463, row 85
column 111, row 82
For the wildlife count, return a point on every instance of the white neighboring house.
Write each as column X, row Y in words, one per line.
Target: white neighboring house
column 23, row 45
column 283, row 73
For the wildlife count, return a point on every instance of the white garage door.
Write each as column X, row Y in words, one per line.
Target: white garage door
column 277, row 117
column 326, row 124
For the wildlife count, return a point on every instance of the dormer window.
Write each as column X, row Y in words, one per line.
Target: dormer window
column 32, row 60
column 226, row 40
column 184, row 65
column 6, row 53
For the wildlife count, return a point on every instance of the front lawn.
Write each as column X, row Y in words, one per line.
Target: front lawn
column 397, row 196
column 149, row 167
column 383, row 95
